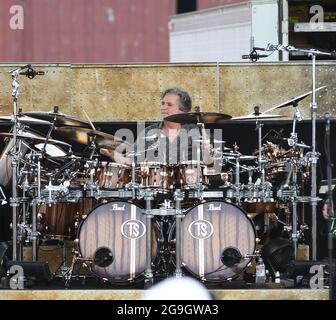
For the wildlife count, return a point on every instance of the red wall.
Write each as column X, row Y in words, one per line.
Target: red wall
column 87, row 31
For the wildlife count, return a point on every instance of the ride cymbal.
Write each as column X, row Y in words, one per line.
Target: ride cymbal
column 35, row 139
column 59, row 119
column 198, row 117
column 86, row 136
column 24, row 119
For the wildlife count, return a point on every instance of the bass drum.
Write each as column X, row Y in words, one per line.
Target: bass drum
column 218, row 240
column 112, row 240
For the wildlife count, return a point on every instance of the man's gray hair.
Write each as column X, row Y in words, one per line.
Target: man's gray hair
column 184, row 101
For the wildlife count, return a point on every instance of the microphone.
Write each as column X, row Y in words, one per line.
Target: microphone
column 31, row 73
column 327, row 117
column 254, row 56
column 258, row 49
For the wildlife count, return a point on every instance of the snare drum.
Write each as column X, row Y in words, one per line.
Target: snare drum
column 111, row 175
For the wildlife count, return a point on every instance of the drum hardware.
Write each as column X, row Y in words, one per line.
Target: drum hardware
column 206, row 194
column 312, row 53
column 4, row 198
column 165, row 209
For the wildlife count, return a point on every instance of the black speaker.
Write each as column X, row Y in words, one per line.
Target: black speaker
column 34, row 271
column 278, row 254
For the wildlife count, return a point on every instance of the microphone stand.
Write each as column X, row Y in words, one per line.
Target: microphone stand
column 313, row 155
column 330, row 207
column 14, row 203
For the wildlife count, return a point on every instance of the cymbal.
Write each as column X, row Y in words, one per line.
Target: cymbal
column 260, row 116
column 238, row 155
column 59, row 118
column 294, row 101
column 198, row 117
column 24, row 119
column 33, row 138
column 247, row 158
column 86, row 136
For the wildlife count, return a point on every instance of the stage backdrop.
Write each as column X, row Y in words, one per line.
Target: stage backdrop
column 132, row 92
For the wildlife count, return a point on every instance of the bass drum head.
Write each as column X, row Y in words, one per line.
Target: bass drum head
column 113, row 241
column 213, row 235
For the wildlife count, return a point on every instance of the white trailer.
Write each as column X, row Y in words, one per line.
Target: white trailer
column 224, row 34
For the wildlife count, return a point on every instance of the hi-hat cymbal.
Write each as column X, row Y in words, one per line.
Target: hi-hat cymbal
column 24, row 119
column 198, row 117
column 86, row 136
column 260, row 116
column 34, row 139
column 59, row 119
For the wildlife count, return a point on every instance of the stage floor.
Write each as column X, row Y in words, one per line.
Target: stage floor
column 124, row 294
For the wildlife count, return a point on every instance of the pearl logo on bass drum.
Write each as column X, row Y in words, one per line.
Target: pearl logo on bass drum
column 116, row 207
column 133, row 229
column 200, row 229
column 212, row 207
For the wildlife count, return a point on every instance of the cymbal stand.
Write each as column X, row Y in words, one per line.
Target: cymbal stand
column 237, row 179
column 22, row 227
column 36, row 201
column 312, row 53
column 149, row 278
column 52, row 127
column 200, row 126
column 133, row 173
column 178, row 196
column 261, row 159
column 294, row 235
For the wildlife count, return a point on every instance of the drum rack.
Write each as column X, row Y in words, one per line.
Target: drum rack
column 51, row 175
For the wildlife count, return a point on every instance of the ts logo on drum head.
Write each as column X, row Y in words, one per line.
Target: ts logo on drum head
column 200, row 229
column 133, row 229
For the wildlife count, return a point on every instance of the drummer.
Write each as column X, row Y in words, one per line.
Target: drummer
column 168, row 141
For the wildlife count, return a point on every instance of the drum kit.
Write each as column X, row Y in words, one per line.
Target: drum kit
column 149, row 219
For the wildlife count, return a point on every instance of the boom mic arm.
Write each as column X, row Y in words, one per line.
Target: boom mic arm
column 254, row 56
column 31, row 73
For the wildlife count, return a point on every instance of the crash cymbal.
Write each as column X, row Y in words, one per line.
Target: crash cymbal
column 34, row 139
column 77, row 134
column 260, row 116
column 86, row 136
column 198, row 117
column 294, row 101
column 24, row 119
column 59, row 119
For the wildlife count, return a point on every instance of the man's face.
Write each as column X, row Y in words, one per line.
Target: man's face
column 170, row 105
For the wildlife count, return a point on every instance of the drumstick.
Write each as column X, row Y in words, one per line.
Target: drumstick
column 87, row 117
